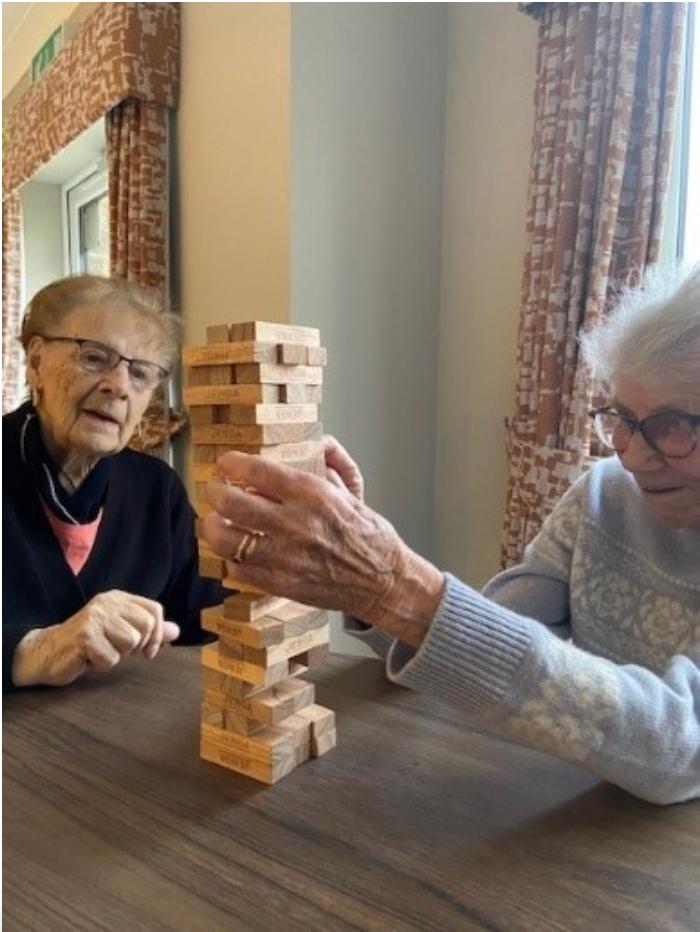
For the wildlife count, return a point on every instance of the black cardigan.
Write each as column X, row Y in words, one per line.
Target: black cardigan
column 145, row 545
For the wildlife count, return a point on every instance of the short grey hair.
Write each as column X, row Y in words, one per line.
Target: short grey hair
column 653, row 333
column 54, row 302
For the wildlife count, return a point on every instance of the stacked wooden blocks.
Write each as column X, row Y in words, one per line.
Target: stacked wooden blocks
column 256, row 387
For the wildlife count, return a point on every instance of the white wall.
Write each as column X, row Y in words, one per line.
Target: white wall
column 43, row 240
column 27, row 34
column 233, row 164
column 491, row 72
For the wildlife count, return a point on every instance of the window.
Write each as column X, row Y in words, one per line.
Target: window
column 689, row 193
column 86, row 227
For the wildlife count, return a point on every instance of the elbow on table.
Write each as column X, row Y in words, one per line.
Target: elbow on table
column 667, row 788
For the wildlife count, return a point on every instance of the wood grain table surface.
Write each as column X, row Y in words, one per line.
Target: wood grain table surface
column 112, row 822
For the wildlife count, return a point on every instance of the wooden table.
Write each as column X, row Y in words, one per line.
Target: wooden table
column 413, row 822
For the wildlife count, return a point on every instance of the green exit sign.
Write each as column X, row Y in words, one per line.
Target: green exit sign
column 46, row 54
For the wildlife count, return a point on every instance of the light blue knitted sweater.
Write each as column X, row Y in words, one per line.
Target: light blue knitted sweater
column 589, row 650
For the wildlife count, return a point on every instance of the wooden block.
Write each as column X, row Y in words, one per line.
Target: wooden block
column 272, row 744
column 205, row 414
column 296, row 393
column 282, row 452
column 266, row 331
column 314, row 465
column 250, row 434
column 263, row 632
column 313, row 657
column 232, row 394
column 321, row 720
column 288, row 648
column 231, row 582
column 264, row 414
column 292, row 354
column 216, row 354
column 230, row 649
column 257, row 770
column 279, row 702
column 218, row 333
column 278, row 375
column 249, row 606
column 211, row 567
column 240, row 723
column 269, row 706
column 317, row 356
column 203, row 509
column 204, row 453
column 320, row 746
column 210, row 375
column 229, row 718
column 227, row 687
column 297, row 619
column 213, row 658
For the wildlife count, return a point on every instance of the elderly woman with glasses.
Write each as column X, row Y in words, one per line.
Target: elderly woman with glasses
column 589, row 649
column 100, row 556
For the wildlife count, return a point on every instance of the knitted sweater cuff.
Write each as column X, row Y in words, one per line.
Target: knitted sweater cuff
column 470, row 654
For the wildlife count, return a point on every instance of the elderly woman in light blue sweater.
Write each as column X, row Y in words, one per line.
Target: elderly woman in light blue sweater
column 590, row 649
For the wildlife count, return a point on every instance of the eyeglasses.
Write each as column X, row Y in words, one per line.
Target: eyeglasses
column 673, row 434
column 96, row 357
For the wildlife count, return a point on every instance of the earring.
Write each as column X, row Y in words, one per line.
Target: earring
column 36, row 397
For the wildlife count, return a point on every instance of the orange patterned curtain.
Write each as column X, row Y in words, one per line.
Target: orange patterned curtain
column 138, row 196
column 137, row 158
column 608, row 77
column 12, row 278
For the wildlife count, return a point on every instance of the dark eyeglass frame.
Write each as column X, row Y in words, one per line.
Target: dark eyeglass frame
column 634, row 425
column 117, row 358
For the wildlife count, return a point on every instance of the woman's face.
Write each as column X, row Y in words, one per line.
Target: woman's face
column 91, row 414
column 671, row 487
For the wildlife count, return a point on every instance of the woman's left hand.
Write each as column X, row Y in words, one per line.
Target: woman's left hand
column 319, row 545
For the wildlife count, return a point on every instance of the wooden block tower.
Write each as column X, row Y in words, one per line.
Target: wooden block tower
column 256, row 387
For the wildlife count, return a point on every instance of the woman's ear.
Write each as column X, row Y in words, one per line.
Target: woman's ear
column 33, row 360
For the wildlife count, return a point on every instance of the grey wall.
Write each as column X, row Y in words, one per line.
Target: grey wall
column 368, row 129
column 490, row 90
column 43, row 238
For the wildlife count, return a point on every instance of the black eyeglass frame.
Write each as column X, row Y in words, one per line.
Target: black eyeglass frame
column 81, row 341
column 635, row 425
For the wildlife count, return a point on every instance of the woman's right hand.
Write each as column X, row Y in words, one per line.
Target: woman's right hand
column 112, row 625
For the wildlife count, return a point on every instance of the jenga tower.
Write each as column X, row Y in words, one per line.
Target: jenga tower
column 256, row 387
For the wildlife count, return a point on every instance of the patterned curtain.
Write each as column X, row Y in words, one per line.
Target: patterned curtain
column 12, row 300
column 607, row 89
column 137, row 152
column 138, row 196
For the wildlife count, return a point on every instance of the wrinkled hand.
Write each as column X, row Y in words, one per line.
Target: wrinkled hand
column 321, row 545
column 112, row 625
column 341, row 468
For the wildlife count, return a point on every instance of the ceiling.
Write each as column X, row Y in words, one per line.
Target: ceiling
column 13, row 15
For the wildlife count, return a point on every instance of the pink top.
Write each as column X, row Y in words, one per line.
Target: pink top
column 76, row 540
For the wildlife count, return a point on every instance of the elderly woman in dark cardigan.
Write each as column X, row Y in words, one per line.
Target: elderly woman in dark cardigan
column 589, row 649
column 99, row 556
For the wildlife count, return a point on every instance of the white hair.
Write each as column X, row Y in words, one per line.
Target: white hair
column 653, row 333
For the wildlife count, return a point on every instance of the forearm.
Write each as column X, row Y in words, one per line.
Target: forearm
column 622, row 723
column 405, row 606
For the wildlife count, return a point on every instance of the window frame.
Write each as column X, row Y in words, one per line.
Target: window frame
column 91, row 183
